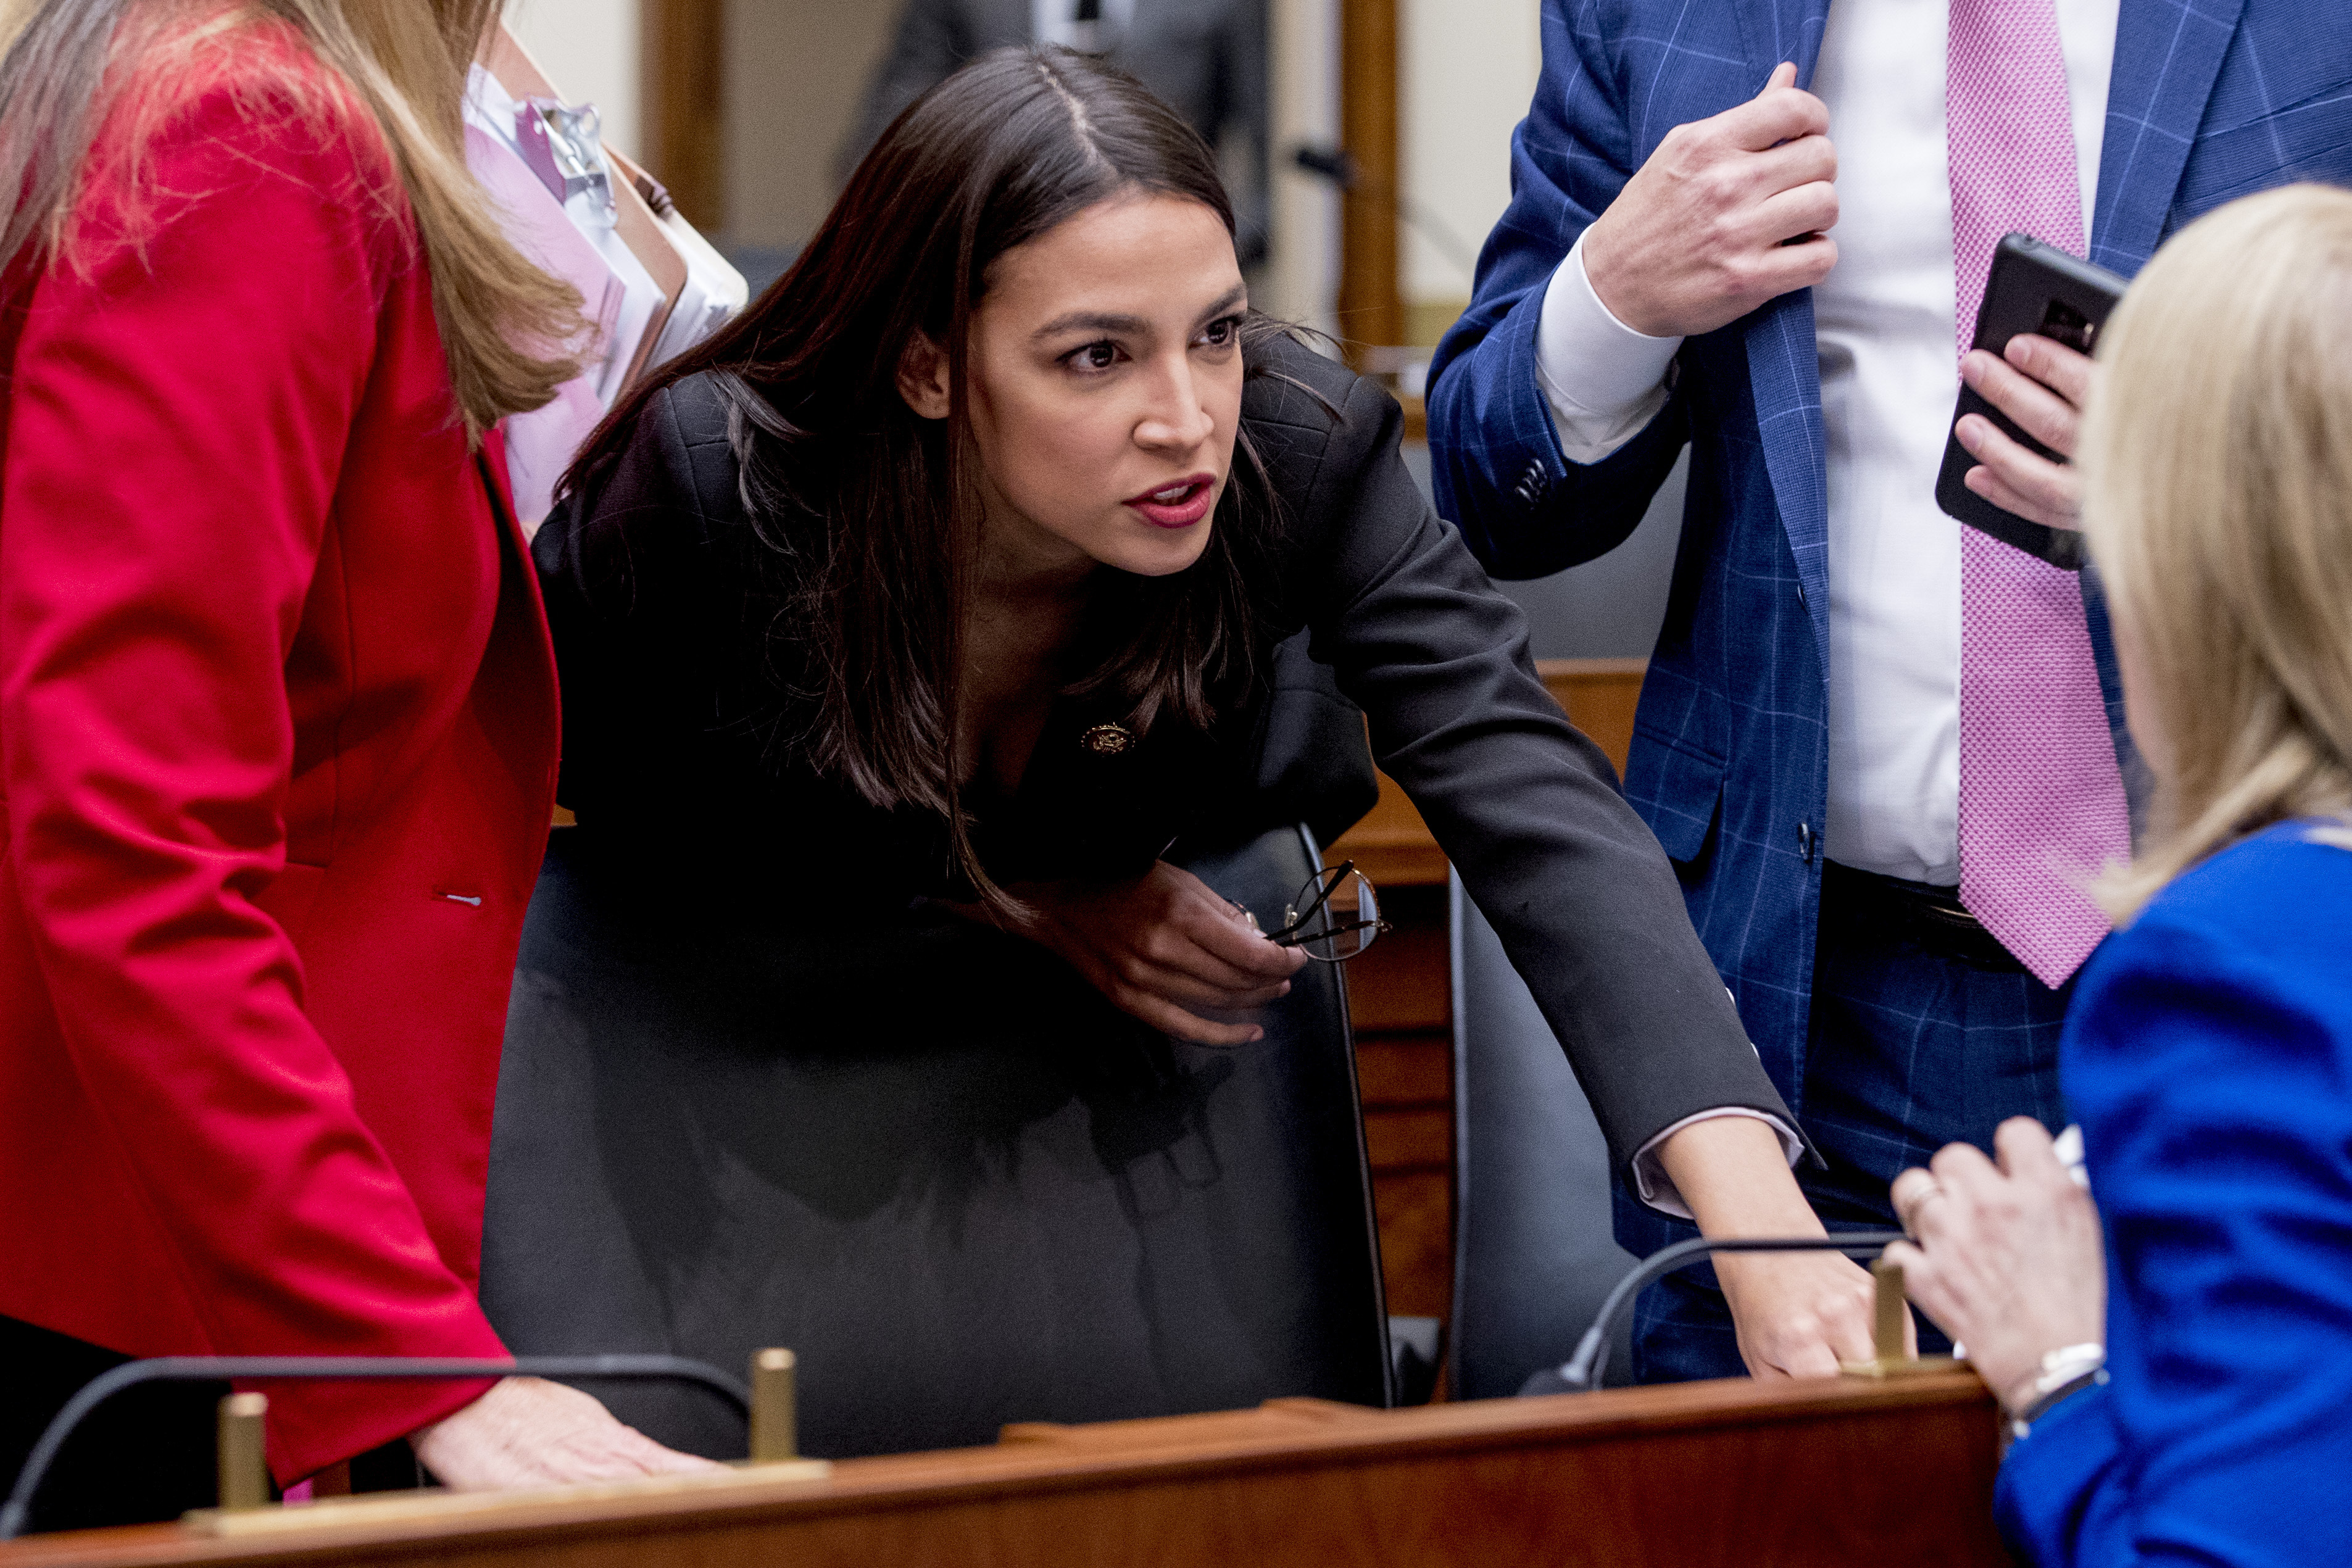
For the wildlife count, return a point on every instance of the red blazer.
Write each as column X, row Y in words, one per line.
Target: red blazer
column 277, row 741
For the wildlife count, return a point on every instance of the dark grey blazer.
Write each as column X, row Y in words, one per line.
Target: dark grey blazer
column 1206, row 58
column 672, row 668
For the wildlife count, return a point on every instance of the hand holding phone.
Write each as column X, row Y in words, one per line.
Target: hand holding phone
column 2014, row 423
column 2042, row 385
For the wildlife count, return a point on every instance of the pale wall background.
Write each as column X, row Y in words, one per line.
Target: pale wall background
column 795, row 71
column 1469, row 67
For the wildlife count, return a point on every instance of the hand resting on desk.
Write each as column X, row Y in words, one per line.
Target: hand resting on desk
column 1798, row 1315
column 529, row 1432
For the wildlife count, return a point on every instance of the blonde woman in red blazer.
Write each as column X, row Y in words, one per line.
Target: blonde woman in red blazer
column 277, row 723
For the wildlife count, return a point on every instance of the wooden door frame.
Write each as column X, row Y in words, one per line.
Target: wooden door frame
column 1371, row 304
column 683, row 85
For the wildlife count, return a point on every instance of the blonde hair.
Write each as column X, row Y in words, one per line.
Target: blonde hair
column 396, row 67
column 2216, row 459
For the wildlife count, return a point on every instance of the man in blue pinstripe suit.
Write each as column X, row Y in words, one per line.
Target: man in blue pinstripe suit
column 1707, row 249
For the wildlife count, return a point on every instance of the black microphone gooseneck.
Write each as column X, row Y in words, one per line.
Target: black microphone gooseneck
column 1582, row 1371
column 320, row 1368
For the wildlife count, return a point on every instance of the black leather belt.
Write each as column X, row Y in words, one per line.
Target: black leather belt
column 1916, row 912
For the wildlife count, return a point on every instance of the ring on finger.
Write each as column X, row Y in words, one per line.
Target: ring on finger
column 1919, row 1199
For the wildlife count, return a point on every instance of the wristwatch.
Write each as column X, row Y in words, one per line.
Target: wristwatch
column 2066, row 1372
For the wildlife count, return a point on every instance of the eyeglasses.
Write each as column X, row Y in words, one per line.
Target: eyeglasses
column 1334, row 917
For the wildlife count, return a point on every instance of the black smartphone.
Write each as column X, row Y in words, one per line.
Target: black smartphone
column 2033, row 287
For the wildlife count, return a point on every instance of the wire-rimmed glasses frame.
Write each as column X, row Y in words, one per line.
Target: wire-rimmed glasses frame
column 1316, row 900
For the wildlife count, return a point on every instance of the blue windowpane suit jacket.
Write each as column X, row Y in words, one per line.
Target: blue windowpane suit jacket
column 2210, row 100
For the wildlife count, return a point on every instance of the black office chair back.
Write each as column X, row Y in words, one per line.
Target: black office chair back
column 1533, row 1253
column 931, row 1161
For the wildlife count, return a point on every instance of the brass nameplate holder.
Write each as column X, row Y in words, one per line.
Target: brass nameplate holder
column 775, row 1418
column 244, row 1474
column 1890, row 1316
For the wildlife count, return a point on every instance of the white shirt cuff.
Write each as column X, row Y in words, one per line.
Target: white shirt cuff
column 1657, row 1189
column 1604, row 379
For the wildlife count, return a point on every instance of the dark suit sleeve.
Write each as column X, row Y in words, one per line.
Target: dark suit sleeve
column 1524, row 508
column 2216, row 1125
column 1526, row 807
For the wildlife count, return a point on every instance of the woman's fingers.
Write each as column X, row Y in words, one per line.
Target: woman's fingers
column 2007, row 1257
column 2026, row 1151
column 1164, row 948
column 528, row 1432
column 1798, row 1314
column 1169, row 1018
column 1219, row 946
column 1203, row 934
column 1912, row 1193
column 2066, row 371
column 654, row 1459
column 2040, row 411
column 1173, row 959
column 2016, row 478
column 1189, row 989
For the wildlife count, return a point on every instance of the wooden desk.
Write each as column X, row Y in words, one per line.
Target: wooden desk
column 1810, row 1475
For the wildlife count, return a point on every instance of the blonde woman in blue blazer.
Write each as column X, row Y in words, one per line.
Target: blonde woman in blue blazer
column 2187, row 1402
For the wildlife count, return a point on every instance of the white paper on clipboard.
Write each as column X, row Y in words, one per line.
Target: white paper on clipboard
column 492, row 111
column 713, row 291
column 541, row 443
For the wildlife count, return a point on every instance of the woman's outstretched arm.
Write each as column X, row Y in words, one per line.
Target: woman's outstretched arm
column 1527, row 808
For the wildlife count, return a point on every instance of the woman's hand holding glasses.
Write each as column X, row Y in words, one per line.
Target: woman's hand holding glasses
column 1164, row 947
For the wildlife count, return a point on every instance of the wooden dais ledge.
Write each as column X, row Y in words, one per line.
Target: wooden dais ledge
column 1817, row 1473
column 1393, row 845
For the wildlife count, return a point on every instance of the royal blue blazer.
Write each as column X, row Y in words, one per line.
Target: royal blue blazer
column 2210, row 100
column 2208, row 1057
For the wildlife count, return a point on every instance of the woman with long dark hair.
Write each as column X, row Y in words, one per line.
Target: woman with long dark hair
column 952, row 570
column 277, row 734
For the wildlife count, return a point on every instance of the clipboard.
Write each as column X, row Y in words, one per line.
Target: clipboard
column 505, row 58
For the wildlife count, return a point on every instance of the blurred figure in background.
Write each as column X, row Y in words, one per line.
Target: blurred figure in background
column 1206, row 58
column 2200, row 1418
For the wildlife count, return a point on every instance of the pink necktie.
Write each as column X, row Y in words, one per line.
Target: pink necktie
column 2041, row 802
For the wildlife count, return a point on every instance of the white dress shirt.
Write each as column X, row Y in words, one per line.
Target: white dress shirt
column 1885, row 340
